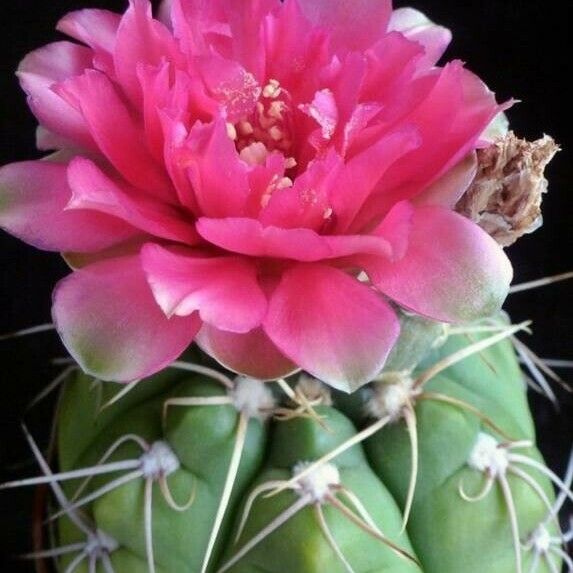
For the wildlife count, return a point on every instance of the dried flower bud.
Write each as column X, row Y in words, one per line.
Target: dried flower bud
column 505, row 197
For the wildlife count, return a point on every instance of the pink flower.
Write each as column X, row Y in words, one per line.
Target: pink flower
column 257, row 176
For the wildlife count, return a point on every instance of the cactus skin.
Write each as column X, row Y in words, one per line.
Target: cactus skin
column 300, row 545
column 449, row 533
column 201, row 438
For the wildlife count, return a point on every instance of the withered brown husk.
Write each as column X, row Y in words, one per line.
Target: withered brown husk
column 506, row 194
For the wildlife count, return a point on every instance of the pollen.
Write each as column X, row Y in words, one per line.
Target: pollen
column 290, row 163
column 231, row 131
column 272, row 90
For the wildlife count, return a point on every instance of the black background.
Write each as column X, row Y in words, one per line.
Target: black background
column 521, row 48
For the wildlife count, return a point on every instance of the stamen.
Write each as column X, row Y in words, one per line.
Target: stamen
column 254, row 154
column 284, row 183
column 245, row 127
column 231, row 131
column 290, row 163
column 272, row 89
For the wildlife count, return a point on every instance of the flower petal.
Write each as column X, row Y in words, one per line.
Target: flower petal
column 117, row 133
column 452, row 271
column 251, row 354
column 93, row 189
column 93, row 27
column 110, row 323
column 39, row 71
column 249, row 237
column 354, row 24
column 331, row 325
column 33, row 199
column 224, row 290
column 362, row 173
column 449, row 188
column 141, row 40
column 219, row 177
column 419, row 28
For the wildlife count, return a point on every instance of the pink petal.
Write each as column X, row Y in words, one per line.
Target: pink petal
column 39, row 71
column 307, row 203
column 249, row 237
column 362, row 173
column 418, row 28
column 230, row 84
column 291, row 39
column 95, row 28
column 452, row 270
column 455, row 113
column 451, row 116
column 219, row 177
column 33, row 198
column 93, row 189
column 392, row 63
column 449, row 188
column 331, row 325
column 251, row 354
column 141, row 40
column 354, row 24
column 111, row 325
column 396, row 228
column 224, row 290
column 116, row 132
column 324, row 111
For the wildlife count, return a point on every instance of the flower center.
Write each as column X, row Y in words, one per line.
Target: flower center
column 268, row 129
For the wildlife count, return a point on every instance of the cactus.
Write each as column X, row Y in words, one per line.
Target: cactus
column 285, row 226
column 200, row 471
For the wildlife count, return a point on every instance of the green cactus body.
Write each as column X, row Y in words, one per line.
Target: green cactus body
column 354, row 523
column 449, row 533
column 300, row 544
column 202, row 439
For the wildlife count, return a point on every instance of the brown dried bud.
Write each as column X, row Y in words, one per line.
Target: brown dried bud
column 505, row 196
